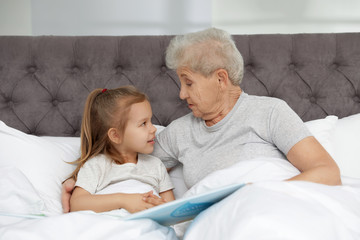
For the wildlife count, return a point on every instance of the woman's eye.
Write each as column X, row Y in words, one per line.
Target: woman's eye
column 143, row 124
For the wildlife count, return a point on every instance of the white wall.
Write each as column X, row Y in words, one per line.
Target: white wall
column 119, row 17
column 286, row 16
column 15, row 17
column 153, row 17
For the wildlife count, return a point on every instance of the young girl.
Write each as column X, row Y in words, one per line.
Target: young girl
column 116, row 135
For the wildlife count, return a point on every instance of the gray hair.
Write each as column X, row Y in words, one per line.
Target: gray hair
column 205, row 52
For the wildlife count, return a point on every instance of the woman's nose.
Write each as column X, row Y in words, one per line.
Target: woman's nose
column 183, row 94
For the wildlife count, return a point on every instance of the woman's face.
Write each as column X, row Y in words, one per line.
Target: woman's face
column 201, row 93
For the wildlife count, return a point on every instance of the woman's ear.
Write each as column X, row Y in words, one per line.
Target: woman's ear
column 223, row 77
column 114, row 135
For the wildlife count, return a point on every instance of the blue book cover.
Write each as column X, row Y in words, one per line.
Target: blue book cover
column 184, row 209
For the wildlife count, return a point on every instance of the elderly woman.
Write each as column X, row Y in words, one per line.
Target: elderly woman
column 226, row 124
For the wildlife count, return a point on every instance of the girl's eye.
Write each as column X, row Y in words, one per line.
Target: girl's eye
column 143, row 124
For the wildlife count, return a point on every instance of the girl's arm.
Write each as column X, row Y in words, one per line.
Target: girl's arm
column 167, row 196
column 83, row 200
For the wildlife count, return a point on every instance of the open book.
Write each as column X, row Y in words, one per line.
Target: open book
column 184, row 209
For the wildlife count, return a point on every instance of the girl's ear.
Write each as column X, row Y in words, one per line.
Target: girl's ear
column 114, row 135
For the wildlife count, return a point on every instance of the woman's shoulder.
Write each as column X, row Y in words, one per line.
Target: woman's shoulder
column 186, row 119
column 176, row 127
column 264, row 99
column 182, row 123
column 264, row 102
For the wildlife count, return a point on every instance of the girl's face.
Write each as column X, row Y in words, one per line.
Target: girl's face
column 139, row 134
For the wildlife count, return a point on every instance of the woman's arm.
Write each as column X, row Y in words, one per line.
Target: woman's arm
column 83, row 200
column 314, row 163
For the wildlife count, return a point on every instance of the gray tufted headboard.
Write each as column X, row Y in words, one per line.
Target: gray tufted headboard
column 44, row 80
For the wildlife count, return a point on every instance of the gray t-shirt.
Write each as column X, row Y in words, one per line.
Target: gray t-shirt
column 255, row 127
column 100, row 171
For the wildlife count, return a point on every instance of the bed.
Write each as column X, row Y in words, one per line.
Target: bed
column 44, row 81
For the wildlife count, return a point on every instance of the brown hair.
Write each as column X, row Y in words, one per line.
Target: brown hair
column 105, row 109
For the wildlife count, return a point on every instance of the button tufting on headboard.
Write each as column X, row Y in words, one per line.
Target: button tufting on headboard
column 334, row 65
column 118, row 69
column 10, row 104
column 44, row 80
column 75, row 70
column 356, row 99
column 55, row 102
column 312, row 99
column 249, row 66
column 292, row 66
column 32, row 69
column 164, row 69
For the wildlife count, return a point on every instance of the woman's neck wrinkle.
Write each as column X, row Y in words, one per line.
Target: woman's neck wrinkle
column 228, row 106
column 222, row 114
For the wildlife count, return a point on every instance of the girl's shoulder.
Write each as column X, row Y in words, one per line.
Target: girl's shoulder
column 98, row 160
column 149, row 160
column 147, row 157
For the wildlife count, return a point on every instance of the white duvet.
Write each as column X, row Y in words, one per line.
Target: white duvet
column 85, row 225
column 21, row 206
column 270, row 208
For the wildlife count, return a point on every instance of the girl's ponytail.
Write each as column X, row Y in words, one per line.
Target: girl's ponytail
column 86, row 135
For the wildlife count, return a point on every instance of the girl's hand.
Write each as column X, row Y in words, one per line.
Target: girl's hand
column 66, row 191
column 136, row 202
column 150, row 198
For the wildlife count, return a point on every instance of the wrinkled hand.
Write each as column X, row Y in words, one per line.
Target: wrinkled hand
column 153, row 199
column 66, row 191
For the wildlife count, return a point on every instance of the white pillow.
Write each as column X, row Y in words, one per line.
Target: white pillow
column 347, row 145
column 41, row 160
column 17, row 197
column 322, row 129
